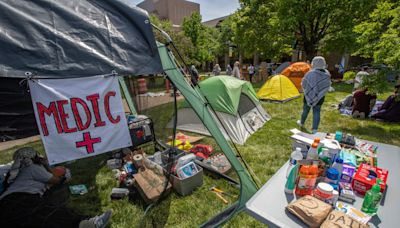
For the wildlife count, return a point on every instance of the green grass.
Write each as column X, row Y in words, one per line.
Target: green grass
column 266, row 151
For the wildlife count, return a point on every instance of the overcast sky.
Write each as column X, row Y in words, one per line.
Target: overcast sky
column 210, row 9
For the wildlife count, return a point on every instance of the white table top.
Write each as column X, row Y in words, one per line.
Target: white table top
column 268, row 204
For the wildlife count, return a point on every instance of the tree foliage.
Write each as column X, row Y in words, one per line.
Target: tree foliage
column 183, row 43
column 318, row 23
column 256, row 30
column 379, row 35
column 276, row 26
column 204, row 39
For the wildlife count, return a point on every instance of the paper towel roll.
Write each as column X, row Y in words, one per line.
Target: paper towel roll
column 138, row 160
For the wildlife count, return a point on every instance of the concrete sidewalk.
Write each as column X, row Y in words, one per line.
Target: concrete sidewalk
column 18, row 142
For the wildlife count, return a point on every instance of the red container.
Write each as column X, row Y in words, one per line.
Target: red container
column 366, row 177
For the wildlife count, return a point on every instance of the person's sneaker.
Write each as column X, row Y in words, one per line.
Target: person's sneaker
column 314, row 131
column 102, row 220
column 299, row 123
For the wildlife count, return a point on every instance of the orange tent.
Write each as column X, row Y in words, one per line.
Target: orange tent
column 295, row 72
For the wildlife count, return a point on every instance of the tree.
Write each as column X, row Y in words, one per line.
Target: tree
column 275, row 27
column 204, row 39
column 183, row 43
column 379, row 34
column 317, row 23
column 256, row 30
column 193, row 28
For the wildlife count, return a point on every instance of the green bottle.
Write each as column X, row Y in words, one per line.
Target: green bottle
column 372, row 199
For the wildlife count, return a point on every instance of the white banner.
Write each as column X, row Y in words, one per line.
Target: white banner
column 79, row 117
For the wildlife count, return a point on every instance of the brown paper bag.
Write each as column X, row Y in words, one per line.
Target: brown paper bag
column 310, row 210
column 338, row 219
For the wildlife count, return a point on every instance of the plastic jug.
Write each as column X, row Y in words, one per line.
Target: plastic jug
column 307, row 178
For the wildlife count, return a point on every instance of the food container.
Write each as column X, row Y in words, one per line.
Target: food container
column 324, row 192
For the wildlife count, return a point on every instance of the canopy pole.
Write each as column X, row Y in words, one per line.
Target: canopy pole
column 127, row 95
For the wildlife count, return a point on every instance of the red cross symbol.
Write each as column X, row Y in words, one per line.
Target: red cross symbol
column 88, row 142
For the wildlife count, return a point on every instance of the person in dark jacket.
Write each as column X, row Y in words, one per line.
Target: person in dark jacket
column 362, row 104
column 194, row 75
column 390, row 110
column 315, row 85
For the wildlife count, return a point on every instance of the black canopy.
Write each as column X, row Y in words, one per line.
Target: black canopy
column 67, row 38
column 75, row 38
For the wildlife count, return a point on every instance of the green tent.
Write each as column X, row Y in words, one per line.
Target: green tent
column 236, row 106
column 223, row 92
column 198, row 102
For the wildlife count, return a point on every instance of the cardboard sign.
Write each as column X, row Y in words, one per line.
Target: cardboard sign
column 79, row 117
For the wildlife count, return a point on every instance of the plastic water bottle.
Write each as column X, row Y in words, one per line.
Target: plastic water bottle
column 295, row 157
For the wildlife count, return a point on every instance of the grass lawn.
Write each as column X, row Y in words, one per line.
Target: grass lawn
column 266, row 151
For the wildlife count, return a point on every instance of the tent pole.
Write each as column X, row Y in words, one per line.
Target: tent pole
column 247, row 186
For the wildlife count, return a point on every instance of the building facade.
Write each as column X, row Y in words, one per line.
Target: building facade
column 172, row 10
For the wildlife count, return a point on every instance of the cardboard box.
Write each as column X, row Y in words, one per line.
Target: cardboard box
column 150, row 185
column 366, row 177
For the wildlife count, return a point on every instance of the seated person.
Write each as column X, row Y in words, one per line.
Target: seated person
column 390, row 110
column 347, row 102
column 362, row 103
column 29, row 202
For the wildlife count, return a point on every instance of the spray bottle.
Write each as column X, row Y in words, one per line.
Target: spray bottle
column 291, row 179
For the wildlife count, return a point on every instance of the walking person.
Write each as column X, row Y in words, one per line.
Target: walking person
column 315, row 85
column 251, row 72
column 194, row 75
column 228, row 70
column 359, row 77
column 216, row 70
column 236, row 70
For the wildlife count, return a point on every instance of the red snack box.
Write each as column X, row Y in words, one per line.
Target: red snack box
column 366, row 177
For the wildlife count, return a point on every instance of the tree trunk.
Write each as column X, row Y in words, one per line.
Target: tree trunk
column 256, row 58
column 310, row 50
column 226, row 60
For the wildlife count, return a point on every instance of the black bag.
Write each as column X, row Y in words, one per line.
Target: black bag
column 141, row 130
column 348, row 139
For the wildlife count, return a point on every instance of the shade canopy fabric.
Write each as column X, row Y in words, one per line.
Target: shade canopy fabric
column 67, row 38
column 295, row 72
column 74, row 38
column 278, row 88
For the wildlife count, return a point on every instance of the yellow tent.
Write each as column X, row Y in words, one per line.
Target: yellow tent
column 278, row 88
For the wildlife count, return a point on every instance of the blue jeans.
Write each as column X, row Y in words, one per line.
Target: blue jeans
column 316, row 113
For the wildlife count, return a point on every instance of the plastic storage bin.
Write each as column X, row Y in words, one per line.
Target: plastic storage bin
column 188, row 185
